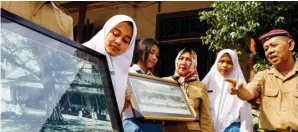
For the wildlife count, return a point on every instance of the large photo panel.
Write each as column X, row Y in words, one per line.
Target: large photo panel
column 50, row 83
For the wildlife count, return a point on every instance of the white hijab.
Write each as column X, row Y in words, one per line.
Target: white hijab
column 118, row 65
column 225, row 108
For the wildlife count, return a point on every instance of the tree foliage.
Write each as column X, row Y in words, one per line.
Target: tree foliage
column 234, row 23
column 36, row 64
column 27, row 62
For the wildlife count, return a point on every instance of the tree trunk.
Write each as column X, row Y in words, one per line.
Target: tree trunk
column 252, row 48
column 53, row 107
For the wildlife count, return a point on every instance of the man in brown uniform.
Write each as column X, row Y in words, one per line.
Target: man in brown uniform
column 46, row 14
column 277, row 86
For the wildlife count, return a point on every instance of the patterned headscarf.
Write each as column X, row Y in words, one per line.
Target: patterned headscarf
column 193, row 73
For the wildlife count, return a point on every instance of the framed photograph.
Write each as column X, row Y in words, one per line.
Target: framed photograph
column 52, row 84
column 158, row 99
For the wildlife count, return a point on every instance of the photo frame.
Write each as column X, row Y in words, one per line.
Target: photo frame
column 51, row 83
column 155, row 98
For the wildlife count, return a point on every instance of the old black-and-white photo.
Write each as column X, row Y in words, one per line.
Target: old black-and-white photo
column 44, row 89
column 158, row 97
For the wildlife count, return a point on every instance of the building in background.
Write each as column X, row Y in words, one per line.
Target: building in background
column 175, row 24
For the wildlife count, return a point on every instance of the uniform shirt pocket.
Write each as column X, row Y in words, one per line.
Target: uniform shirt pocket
column 271, row 92
column 270, row 97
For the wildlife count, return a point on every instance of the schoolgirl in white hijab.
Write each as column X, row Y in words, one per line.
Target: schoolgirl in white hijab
column 226, row 110
column 116, row 40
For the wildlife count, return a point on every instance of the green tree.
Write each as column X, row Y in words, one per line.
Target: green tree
column 234, row 23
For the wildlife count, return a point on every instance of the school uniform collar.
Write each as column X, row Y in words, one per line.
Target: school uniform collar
column 276, row 73
column 139, row 70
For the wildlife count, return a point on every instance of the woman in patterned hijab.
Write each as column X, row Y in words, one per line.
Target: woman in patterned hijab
column 183, row 74
column 187, row 76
